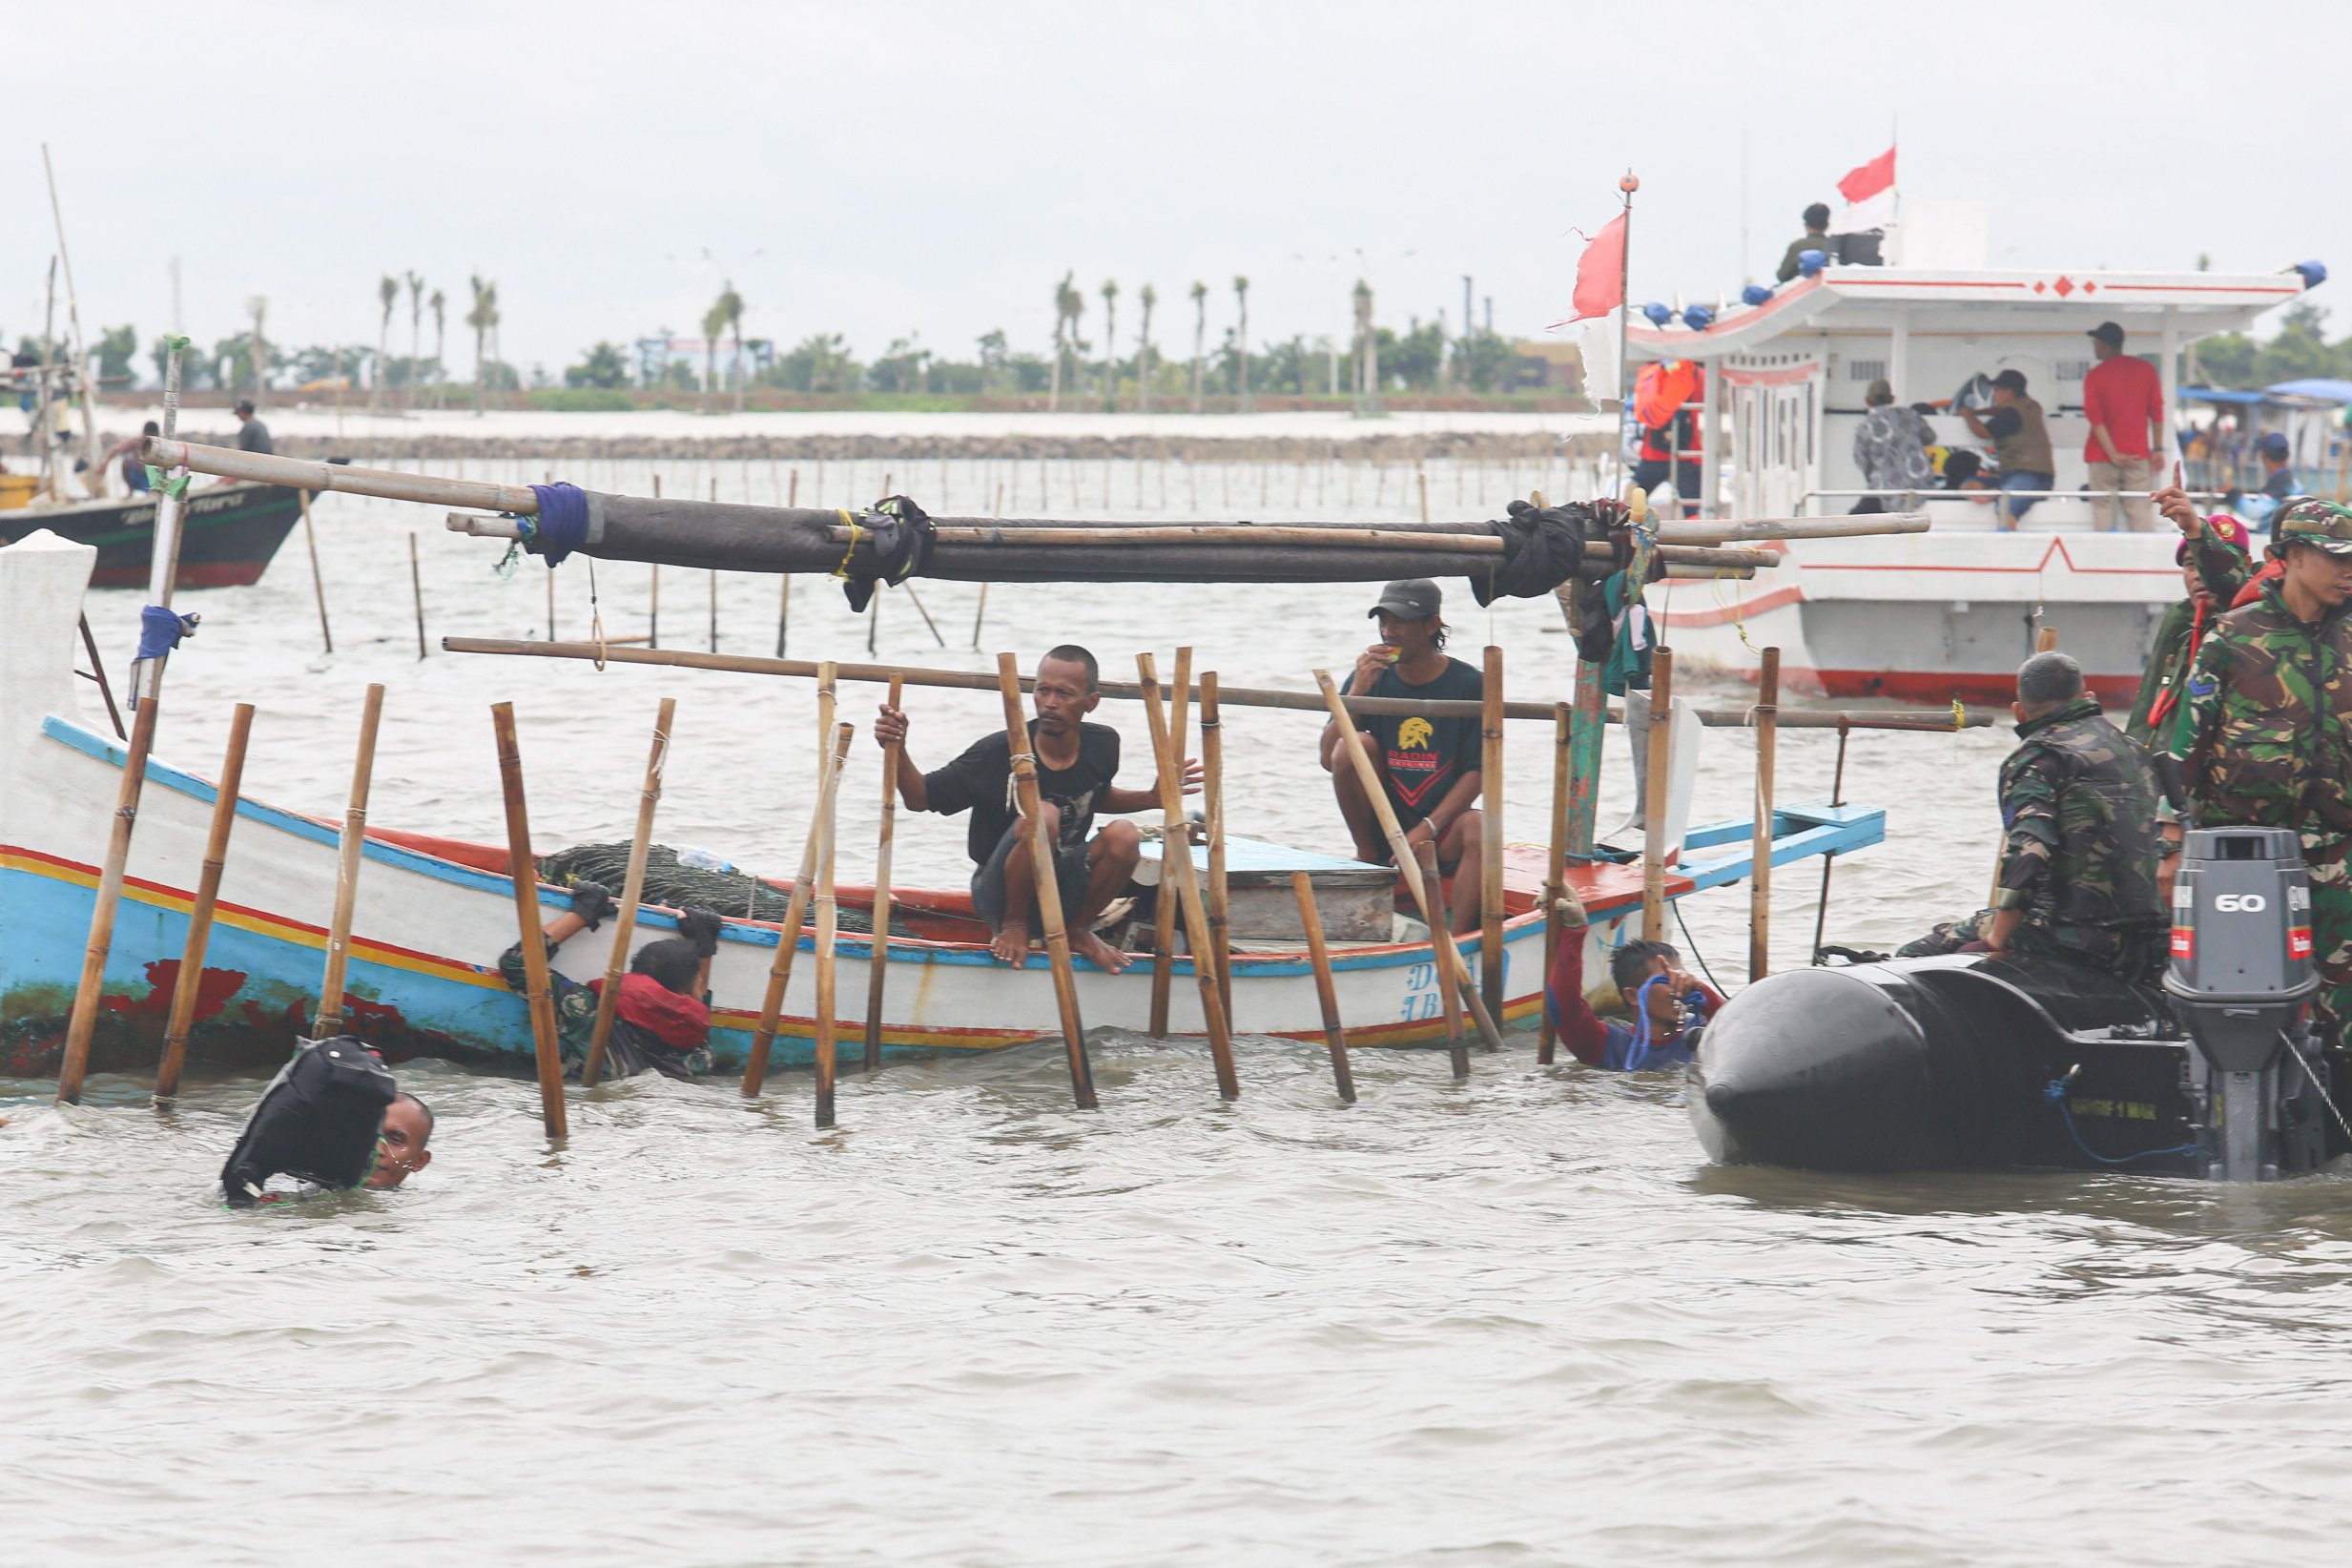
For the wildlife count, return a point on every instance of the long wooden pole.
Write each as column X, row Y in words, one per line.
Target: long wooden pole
column 881, row 966
column 546, row 1050
column 1448, row 998
column 1176, row 862
column 632, row 890
column 98, row 674
column 1837, row 798
column 1327, row 994
column 796, row 911
column 188, row 984
column 415, row 586
column 1931, row 720
column 318, row 583
column 1175, row 837
column 1212, row 801
column 147, row 703
column 1653, row 807
column 1426, row 898
column 1760, row 846
column 352, row 851
column 1588, row 727
column 1555, row 867
column 1490, row 794
column 1046, row 879
column 827, row 929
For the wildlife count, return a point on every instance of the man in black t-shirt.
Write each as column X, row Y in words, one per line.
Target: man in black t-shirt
column 1429, row 768
column 1076, row 763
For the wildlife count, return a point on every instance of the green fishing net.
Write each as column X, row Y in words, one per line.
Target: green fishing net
column 669, row 883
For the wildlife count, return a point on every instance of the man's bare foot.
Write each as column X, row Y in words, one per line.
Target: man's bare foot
column 1011, row 944
column 1087, row 945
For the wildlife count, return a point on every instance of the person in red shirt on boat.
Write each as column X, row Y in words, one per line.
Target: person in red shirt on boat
column 2123, row 398
column 1665, row 1008
column 1429, row 768
column 1077, row 763
column 661, row 1021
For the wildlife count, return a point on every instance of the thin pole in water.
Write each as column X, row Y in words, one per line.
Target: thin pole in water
column 1760, row 846
column 1172, row 823
column 1049, row 887
column 1837, row 798
column 1176, row 862
column 827, row 929
column 878, row 965
column 1490, row 870
column 796, row 911
column 1327, row 994
column 1555, row 866
column 350, row 847
column 318, row 583
column 416, row 588
column 189, row 984
column 632, row 889
column 1654, row 807
column 524, row 872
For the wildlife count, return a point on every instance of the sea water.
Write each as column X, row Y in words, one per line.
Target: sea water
column 1516, row 1320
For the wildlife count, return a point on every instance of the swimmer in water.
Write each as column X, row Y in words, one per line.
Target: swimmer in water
column 401, row 1150
column 1666, row 1008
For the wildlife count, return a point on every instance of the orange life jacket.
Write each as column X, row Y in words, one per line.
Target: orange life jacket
column 1661, row 390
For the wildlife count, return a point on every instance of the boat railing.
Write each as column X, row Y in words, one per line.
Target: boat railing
column 1913, row 499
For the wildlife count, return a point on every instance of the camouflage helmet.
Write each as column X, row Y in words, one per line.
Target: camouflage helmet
column 2313, row 522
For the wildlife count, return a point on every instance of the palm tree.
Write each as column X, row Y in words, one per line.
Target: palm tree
column 1200, row 336
column 1147, row 297
column 713, row 322
column 730, row 306
column 1062, row 323
column 258, row 350
column 1240, row 336
column 1366, row 354
column 481, row 319
column 1110, row 345
column 416, row 321
column 441, row 334
column 388, row 290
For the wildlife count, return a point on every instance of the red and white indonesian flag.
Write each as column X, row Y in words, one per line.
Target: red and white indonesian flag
column 1869, row 192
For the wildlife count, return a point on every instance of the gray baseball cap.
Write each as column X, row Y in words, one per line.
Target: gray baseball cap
column 1409, row 598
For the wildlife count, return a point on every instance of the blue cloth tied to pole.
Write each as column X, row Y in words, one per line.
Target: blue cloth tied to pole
column 561, row 525
column 160, row 630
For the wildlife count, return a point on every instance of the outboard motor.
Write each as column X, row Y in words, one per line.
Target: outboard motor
column 319, row 1119
column 2241, row 979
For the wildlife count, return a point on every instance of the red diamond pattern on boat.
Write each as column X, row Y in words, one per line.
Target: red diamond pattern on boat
column 2065, row 287
column 2038, row 287
column 2089, row 287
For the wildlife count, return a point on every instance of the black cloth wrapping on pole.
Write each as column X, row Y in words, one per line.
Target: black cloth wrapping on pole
column 1542, row 549
column 675, row 531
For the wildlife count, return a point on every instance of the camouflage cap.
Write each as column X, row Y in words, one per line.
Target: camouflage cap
column 2312, row 522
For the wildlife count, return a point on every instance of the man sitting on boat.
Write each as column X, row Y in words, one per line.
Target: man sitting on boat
column 662, row 1019
column 2079, row 862
column 1076, row 765
column 2020, row 439
column 1429, row 768
column 133, row 472
column 1665, row 1008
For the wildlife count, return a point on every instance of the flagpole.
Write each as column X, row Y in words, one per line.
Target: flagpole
column 1627, row 187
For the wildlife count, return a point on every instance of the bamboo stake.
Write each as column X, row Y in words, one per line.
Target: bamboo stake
column 98, row 674
column 714, row 579
column 1760, row 846
column 1556, row 865
column 1327, row 994
column 1212, row 799
column 632, row 889
column 654, row 608
column 1654, row 807
column 1490, row 794
column 416, row 585
column 1588, row 727
column 1176, row 862
column 783, row 604
column 796, row 911
column 524, row 869
column 1045, row 876
column 1172, row 823
column 353, row 845
column 980, row 614
column 916, row 600
column 827, row 968
column 189, row 983
column 880, row 965
column 1425, row 898
column 1837, row 798
column 318, row 583
column 1449, row 1000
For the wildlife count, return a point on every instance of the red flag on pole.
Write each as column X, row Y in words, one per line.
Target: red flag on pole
column 1861, row 183
column 1601, row 274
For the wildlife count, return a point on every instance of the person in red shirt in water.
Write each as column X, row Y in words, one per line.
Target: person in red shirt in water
column 1667, row 1008
column 661, row 1021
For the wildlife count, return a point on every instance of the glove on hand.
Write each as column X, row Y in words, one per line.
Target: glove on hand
column 701, row 927
column 591, row 902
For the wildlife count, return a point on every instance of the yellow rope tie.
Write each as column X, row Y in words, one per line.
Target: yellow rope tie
column 842, row 570
column 1959, row 714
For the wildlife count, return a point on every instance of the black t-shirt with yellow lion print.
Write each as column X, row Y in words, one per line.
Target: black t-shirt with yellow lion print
column 1423, row 757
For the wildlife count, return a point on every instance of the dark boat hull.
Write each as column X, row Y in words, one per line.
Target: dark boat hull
column 1970, row 1060
column 232, row 531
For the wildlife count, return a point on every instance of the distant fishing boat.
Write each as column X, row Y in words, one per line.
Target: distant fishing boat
column 232, row 531
column 434, row 912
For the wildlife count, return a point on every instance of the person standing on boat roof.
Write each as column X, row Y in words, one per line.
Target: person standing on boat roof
column 252, row 435
column 133, row 472
column 2124, row 400
column 1665, row 1008
column 1428, row 767
column 662, row 1019
column 1076, row 765
column 2268, row 740
column 1891, row 447
column 2081, row 853
column 2020, row 445
column 1816, row 238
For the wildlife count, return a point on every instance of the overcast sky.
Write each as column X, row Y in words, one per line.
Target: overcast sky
column 886, row 168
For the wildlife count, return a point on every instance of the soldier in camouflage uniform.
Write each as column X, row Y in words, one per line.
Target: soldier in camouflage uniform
column 2078, row 863
column 2268, row 739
